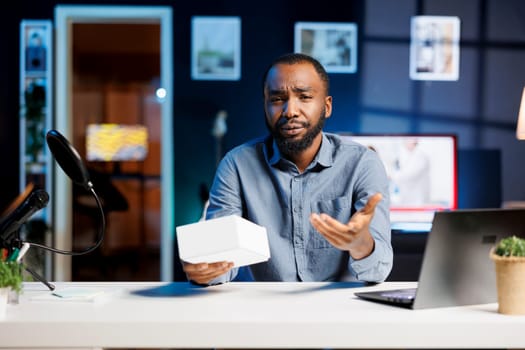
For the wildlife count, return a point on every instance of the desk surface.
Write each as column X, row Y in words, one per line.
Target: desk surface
column 247, row 315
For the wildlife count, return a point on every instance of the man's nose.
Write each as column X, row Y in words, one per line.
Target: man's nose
column 290, row 109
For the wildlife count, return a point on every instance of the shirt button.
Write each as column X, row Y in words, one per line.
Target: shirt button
column 295, row 210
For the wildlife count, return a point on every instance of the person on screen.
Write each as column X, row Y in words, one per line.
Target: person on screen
column 411, row 176
column 324, row 202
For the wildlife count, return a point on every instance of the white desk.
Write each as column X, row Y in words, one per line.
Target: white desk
column 248, row 315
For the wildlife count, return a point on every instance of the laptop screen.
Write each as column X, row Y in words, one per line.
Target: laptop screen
column 422, row 172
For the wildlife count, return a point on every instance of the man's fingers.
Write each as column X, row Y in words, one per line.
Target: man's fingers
column 205, row 272
column 330, row 228
column 372, row 203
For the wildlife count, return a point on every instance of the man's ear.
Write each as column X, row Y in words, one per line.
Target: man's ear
column 328, row 106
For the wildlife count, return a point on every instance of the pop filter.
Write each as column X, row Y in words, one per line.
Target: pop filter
column 71, row 163
column 68, row 158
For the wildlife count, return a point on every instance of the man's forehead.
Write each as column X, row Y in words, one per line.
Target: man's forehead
column 299, row 75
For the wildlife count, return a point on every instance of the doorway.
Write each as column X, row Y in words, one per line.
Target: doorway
column 105, row 76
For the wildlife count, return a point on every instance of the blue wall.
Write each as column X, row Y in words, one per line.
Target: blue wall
column 480, row 108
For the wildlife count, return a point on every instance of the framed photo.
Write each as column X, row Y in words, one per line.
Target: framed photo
column 35, row 40
column 216, row 48
column 332, row 44
column 434, row 48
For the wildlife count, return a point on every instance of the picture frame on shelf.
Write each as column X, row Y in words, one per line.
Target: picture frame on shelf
column 216, row 48
column 434, row 48
column 332, row 44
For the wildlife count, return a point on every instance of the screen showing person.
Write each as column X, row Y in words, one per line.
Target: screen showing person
column 421, row 170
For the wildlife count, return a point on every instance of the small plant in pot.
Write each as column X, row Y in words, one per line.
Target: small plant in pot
column 509, row 259
column 11, row 276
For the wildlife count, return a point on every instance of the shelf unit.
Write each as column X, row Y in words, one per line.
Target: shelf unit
column 36, row 107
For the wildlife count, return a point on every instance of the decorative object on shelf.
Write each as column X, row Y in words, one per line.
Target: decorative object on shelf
column 220, row 127
column 509, row 258
column 35, row 102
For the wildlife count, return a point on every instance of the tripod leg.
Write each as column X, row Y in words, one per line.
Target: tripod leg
column 40, row 278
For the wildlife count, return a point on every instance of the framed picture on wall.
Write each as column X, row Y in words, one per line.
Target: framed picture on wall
column 434, row 48
column 332, row 44
column 216, row 48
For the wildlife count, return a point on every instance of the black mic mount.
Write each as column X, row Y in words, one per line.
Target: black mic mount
column 32, row 200
column 71, row 163
column 36, row 200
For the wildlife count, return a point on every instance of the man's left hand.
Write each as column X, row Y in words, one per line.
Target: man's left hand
column 353, row 236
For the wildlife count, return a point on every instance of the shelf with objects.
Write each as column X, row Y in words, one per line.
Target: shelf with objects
column 36, row 86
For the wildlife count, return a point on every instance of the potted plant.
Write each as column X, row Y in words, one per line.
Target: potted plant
column 509, row 258
column 11, row 278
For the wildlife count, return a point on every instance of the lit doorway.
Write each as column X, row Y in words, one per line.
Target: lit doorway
column 83, row 97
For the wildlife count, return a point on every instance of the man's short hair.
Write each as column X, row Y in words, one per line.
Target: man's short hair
column 295, row 58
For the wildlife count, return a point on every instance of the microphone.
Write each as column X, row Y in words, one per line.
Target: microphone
column 68, row 159
column 37, row 200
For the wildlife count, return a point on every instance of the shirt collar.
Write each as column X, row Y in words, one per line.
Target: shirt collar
column 323, row 158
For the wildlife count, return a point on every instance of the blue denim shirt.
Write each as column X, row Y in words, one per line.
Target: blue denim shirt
column 254, row 181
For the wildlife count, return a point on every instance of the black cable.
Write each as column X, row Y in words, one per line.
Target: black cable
column 100, row 238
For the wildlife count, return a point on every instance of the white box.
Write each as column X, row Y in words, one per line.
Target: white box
column 229, row 238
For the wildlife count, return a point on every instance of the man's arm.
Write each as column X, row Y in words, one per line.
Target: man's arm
column 366, row 235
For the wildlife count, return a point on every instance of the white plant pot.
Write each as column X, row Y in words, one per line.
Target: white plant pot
column 4, row 295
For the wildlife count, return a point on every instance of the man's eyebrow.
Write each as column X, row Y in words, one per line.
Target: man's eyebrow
column 295, row 89
column 303, row 89
column 276, row 91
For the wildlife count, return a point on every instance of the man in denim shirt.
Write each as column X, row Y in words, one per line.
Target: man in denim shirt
column 323, row 201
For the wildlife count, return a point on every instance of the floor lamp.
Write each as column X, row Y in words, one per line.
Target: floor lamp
column 520, row 135
column 520, row 129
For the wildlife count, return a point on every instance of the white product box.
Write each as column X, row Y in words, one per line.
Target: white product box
column 229, row 238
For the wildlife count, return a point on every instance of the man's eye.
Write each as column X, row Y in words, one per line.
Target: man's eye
column 276, row 99
column 306, row 97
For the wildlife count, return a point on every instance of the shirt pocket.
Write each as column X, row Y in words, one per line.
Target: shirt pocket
column 339, row 208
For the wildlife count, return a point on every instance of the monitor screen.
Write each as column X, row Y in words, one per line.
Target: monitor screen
column 116, row 142
column 421, row 170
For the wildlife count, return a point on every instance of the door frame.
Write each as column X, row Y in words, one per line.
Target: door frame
column 65, row 16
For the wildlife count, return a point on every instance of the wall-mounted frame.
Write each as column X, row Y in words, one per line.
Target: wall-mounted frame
column 434, row 48
column 216, row 48
column 332, row 44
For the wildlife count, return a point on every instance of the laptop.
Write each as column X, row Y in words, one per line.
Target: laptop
column 456, row 268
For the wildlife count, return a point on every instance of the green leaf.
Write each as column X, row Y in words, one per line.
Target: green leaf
column 11, row 275
column 511, row 246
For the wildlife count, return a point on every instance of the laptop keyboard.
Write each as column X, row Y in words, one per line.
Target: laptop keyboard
column 403, row 294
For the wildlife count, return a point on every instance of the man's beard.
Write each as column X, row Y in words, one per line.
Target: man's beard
column 291, row 147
